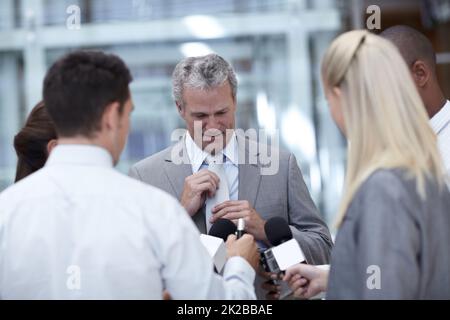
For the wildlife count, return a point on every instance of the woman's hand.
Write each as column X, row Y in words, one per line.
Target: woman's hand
column 306, row 281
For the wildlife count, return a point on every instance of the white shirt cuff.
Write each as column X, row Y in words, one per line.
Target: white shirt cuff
column 239, row 267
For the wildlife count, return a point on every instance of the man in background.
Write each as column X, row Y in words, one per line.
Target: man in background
column 419, row 54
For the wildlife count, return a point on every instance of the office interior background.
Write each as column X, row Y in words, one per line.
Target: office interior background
column 275, row 47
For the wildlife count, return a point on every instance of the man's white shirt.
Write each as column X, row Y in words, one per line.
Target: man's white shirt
column 441, row 125
column 78, row 229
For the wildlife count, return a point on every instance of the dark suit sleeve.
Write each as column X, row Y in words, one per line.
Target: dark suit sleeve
column 306, row 224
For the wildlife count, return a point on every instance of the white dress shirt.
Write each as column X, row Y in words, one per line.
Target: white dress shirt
column 78, row 229
column 441, row 125
column 197, row 157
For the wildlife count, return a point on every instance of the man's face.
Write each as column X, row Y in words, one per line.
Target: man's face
column 214, row 110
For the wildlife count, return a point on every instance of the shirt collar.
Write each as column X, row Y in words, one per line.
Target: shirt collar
column 77, row 154
column 440, row 119
column 197, row 156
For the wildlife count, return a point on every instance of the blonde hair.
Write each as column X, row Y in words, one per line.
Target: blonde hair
column 385, row 120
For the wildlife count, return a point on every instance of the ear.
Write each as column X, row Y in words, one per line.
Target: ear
column 421, row 73
column 111, row 115
column 51, row 144
column 234, row 103
column 180, row 109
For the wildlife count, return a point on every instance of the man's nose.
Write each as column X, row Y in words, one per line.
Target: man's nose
column 211, row 123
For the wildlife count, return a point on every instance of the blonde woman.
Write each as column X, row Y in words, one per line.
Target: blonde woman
column 394, row 221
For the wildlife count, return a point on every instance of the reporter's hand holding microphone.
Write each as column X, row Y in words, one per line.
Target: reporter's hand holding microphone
column 284, row 253
column 236, row 243
column 243, row 245
column 307, row 281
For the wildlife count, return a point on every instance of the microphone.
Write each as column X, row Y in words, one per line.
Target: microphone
column 240, row 228
column 277, row 231
column 285, row 251
column 222, row 228
column 214, row 242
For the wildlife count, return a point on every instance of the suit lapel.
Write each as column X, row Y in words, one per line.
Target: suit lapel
column 177, row 167
column 249, row 171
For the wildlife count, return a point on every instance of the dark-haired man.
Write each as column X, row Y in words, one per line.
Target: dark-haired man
column 78, row 229
column 418, row 53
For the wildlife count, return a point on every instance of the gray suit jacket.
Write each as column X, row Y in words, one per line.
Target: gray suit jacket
column 392, row 244
column 283, row 194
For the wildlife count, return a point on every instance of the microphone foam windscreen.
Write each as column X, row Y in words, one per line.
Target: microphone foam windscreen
column 277, row 231
column 222, row 228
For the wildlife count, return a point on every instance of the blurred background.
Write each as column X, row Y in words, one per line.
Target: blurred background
column 275, row 47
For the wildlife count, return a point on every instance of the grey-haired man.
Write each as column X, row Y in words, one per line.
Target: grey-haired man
column 204, row 90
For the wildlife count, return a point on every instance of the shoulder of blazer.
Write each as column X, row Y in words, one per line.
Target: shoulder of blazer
column 154, row 160
column 248, row 146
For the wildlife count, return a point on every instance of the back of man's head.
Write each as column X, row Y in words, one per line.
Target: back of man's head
column 78, row 88
column 412, row 45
